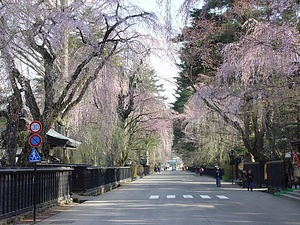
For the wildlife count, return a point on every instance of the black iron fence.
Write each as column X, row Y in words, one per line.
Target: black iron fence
column 86, row 178
column 211, row 171
column 54, row 183
column 17, row 188
column 259, row 173
column 273, row 174
column 277, row 176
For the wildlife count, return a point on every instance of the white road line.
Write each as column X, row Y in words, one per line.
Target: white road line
column 171, row 196
column 188, row 196
column 205, row 196
column 154, row 196
column 222, row 197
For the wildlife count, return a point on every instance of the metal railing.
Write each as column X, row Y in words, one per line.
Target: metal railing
column 17, row 188
column 54, row 183
column 86, row 177
column 277, row 174
column 258, row 170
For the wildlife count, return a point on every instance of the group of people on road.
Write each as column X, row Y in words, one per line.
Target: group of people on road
column 199, row 170
column 248, row 175
column 157, row 169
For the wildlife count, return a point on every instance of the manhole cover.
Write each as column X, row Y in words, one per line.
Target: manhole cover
column 63, row 222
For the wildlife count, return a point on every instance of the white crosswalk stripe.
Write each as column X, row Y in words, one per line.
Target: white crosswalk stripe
column 154, row 196
column 205, row 196
column 188, row 196
column 222, row 197
column 171, row 196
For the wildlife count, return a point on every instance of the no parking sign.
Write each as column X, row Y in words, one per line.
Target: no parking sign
column 35, row 140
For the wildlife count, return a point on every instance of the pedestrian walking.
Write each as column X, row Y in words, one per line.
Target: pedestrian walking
column 250, row 177
column 201, row 171
column 218, row 177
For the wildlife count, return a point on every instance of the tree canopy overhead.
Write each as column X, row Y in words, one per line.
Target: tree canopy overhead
column 54, row 50
column 238, row 85
column 240, row 58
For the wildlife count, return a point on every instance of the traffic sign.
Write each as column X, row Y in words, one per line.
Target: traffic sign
column 35, row 127
column 34, row 156
column 35, row 140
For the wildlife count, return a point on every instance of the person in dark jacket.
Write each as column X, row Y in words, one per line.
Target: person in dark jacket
column 250, row 177
column 201, row 171
column 218, row 177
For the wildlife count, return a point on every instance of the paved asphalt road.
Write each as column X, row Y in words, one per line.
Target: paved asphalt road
column 180, row 198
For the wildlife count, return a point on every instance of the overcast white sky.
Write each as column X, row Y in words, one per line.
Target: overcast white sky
column 164, row 62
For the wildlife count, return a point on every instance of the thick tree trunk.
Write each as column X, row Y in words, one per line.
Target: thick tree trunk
column 12, row 129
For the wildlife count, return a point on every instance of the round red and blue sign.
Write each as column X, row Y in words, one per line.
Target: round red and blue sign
column 35, row 127
column 35, row 140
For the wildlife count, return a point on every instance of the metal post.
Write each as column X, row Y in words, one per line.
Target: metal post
column 232, row 174
column 34, row 192
column 231, row 156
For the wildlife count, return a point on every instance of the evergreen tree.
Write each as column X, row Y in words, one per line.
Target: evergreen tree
column 247, row 62
column 200, row 55
column 202, row 43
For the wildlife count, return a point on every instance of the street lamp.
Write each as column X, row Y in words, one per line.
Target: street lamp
column 231, row 156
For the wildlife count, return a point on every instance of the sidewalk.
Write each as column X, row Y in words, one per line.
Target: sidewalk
column 43, row 214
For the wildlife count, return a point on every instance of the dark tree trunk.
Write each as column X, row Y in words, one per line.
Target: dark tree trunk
column 12, row 129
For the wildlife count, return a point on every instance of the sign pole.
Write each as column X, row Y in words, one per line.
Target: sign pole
column 232, row 174
column 34, row 192
column 35, row 140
